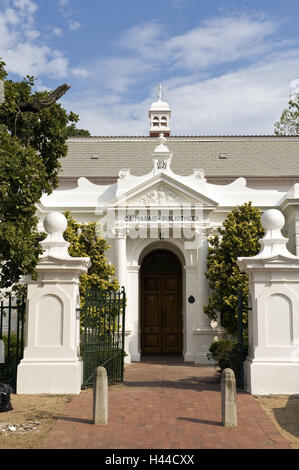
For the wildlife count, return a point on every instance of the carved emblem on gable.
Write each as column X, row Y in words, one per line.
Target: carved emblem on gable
column 161, row 164
column 162, row 197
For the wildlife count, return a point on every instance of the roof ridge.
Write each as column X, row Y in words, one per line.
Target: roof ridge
column 179, row 136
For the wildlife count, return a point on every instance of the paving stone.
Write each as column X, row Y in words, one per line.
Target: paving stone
column 187, row 415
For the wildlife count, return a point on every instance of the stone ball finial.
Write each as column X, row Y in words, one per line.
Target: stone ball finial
column 273, row 219
column 55, row 222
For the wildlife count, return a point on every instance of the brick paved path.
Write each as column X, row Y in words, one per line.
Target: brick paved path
column 165, row 404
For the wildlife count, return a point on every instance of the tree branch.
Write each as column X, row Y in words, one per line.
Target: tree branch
column 35, row 105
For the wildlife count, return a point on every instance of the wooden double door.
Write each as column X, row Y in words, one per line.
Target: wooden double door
column 161, row 306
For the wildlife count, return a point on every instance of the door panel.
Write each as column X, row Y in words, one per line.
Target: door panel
column 161, row 323
column 171, row 314
column 151, row 310
column 151, row 317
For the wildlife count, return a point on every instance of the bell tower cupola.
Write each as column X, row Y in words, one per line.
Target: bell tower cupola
column 159, row 115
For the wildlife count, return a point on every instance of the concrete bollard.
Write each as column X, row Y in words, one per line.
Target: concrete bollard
column 100, row 397
column 228, row 398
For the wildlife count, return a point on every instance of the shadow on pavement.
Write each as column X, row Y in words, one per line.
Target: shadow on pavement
column 191, row 383
column 75, row 420
column 203, row 421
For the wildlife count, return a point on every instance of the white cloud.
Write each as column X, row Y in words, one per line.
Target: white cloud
column 67, row 12
column 105, row 115
column 57, row 31
column 11, row 16
column 221, row 40
column 148, row 49
column 35, row 60
column 178, row 4
column 22, row 46
column 40, row 86
column 79, row 72
column 294, row 86
column 147, row 39
column 118, row 74
column 31, row 34
column 25, row 6
column 74, row 25
column 246, row 101
column 57, row 66
column 215, row 41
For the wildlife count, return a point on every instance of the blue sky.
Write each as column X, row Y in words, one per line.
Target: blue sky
column 226, row 67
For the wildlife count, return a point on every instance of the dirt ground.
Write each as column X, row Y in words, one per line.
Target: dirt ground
column 33, row 416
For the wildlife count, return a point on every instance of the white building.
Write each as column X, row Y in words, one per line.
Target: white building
column 159, row 200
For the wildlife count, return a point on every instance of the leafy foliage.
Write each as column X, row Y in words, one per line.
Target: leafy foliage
column 289, row 120
column 225, row 353
column 239, row 236
column 22, row 175
column 85, row 240
column 31, row 145
column 72, row 131
column 45, row 131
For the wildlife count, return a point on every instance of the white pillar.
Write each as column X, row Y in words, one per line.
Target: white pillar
column 204, row 334
column 132, row 312
column 121, row 270
column 190, row 312
column 203, row 321
column 272, row 365
column 121, row 257
column 52, row 362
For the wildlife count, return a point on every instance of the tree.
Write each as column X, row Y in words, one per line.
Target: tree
column 72, row 131
column 289, row 120
column 239, row 236
column 85, row 240
column 32, row 141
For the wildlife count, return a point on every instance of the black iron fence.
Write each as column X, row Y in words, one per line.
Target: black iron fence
column 12, row 319
column 102, row 319
column 242, row 338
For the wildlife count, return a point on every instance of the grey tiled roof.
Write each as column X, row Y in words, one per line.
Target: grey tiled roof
column 218, row 156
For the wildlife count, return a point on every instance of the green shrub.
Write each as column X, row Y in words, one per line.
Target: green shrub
column 239, row 236
column 225, row 353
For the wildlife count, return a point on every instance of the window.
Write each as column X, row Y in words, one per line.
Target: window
column 156, row 121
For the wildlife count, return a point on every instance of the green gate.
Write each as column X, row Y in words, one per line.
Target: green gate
column 102, row 319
